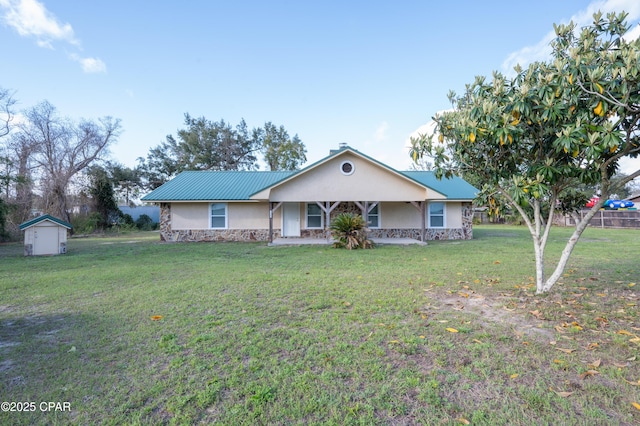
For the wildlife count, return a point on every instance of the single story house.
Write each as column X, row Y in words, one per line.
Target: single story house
column 263, row 205
column 45, row 235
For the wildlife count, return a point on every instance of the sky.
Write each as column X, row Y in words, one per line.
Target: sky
column 366, row 73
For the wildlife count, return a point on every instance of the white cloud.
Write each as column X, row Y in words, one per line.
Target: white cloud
column 90, row 65
column 381, row 132
column 542, row 50
column 30, row 18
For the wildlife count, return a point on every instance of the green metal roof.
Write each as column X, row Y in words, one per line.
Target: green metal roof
column 42, row 218
column 455, row 188
column 215, row 185
column 241, row 185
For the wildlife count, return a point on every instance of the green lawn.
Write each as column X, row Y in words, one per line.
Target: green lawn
column 449, row 333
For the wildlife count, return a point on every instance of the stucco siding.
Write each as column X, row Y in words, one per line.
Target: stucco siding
column 454, row 215
column 248, row 215
column 190, row 216
column 399, row 216
column 367, row 182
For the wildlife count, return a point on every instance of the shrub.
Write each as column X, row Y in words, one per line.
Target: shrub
column 84, row 224
column 127, row 219
column 144, row 223
column 349, row 232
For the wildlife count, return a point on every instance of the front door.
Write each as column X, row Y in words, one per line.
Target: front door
column 291, row 220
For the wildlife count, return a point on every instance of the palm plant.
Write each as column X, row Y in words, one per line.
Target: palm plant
column 350, row 232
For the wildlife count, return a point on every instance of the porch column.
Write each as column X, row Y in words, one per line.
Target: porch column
column 421, row 205
column 327, row 208
column 364, row 208
column 272, row 207
column 423, row 218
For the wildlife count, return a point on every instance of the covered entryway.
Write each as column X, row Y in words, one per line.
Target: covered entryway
column 291, row 219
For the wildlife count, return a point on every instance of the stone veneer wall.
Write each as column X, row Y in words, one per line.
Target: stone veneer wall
column 167, row 234
column 463, row 233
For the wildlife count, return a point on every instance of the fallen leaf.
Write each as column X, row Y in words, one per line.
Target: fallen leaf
column 497, row 262
column 592, row 346
column 463, row 421
column 624, row 332
column 595, row 364
column 537, row 314
column 635, row 404
column 558, row 361
column 393, row 341
column 566, row 351
column 563, row 394
column 156, row 318
column 633, row 358
column 476, row 341
column 422, row 337
column 347, row 303
column 514, row 375
column 589, row 373
column 73, row 349
column 633, row 383
column 451, row 330
column 465, row 295
column 625, row 365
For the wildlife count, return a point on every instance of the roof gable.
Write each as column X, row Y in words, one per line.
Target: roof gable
column 43, row 218
column 258, row 185
column 368, row 179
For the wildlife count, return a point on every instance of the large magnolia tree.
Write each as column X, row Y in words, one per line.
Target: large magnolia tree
column 534, row 138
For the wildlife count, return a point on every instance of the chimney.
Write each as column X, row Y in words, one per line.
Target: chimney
column 341, row 146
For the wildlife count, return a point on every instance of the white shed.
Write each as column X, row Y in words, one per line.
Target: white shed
column 45, row 235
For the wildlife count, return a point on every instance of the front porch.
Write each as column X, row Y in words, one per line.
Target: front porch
column 324, row 242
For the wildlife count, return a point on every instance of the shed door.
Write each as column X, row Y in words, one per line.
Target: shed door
column 45, row 240
column 291, row 220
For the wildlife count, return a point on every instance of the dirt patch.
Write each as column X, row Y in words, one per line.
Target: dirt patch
column 499, row 310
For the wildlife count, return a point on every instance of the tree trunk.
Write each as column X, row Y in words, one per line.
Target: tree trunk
column 566, row 253
column 539, row 252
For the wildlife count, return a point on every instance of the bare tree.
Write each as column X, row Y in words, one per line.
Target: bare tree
column 62, row 148
column 6, row 111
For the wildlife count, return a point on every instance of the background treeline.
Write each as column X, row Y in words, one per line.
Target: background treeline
column 60, row 166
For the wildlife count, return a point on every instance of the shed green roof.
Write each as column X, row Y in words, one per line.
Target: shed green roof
column 215, row 185
column 42, row 218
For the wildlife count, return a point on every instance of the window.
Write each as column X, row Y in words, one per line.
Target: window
column 436, row 215
column 374, row 217
column 219, row 215
column 314, row 216
column 347, row 168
